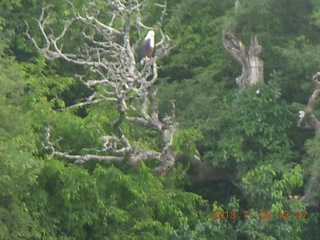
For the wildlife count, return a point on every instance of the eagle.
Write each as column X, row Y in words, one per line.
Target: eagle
column 147, row 47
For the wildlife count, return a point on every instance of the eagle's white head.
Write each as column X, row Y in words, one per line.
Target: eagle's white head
column 150, row 36
column 151, row 33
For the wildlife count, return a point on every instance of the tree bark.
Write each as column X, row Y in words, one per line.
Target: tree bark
column 248, row 58
column 311, row 196
column 306, row 118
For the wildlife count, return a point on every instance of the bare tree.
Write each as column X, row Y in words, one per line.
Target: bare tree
column 109, row 54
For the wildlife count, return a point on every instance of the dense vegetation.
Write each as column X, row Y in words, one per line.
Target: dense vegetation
column 249, row 137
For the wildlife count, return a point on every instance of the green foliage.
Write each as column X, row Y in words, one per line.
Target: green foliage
column 264, row 183
column 193, row 28
column 18, row 168
column 255, row 122
column 107, row 203
column 184, row 141
column 250, row 133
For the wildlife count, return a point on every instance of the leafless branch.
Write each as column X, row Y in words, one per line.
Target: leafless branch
column 95, row 98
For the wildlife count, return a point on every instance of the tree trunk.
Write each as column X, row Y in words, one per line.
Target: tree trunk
column 252, row 65
column 311, row 196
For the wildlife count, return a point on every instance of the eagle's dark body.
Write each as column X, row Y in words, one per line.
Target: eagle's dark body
column 147, row 47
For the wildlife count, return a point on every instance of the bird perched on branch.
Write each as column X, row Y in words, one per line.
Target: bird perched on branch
column 147, row 47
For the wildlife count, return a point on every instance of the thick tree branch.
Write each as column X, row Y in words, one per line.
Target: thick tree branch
column 306, row 118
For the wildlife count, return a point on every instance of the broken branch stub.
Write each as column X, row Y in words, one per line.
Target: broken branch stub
column 248, row 58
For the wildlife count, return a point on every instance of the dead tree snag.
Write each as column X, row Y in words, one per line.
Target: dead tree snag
column 252, row 65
